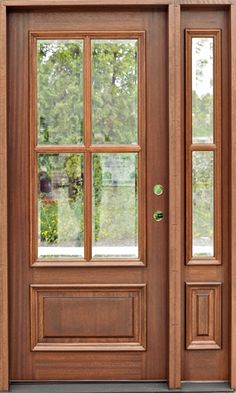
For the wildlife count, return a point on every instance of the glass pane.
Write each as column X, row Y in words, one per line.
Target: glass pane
column 202, row 90
column 60, row 91
column 115, row 210
column 114, row 91
column 60, row 205
column 203, row 203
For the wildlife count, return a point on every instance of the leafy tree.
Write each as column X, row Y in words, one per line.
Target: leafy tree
column 114, row 120
column 60, row 121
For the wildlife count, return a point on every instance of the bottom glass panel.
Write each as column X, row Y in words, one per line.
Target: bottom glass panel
column 203, row 203
column 60, row 205
column 115, row 210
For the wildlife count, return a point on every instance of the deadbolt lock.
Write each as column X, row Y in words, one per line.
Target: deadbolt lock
column 158, row 215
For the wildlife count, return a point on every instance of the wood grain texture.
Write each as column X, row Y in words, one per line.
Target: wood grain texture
column 206, row 2
column 203, row 316
column 88, row 317
column 3, row 208
column 233, row 193
column 150, row 364
column 56, row 3
column 175, row 199
column 214, row 147
column 213, row 364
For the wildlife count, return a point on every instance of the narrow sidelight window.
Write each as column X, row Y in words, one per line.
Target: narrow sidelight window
column 203, row 146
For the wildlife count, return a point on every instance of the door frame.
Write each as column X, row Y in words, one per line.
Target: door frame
column 176, row 150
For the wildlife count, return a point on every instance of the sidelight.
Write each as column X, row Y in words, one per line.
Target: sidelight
column 202, row 89
column 202, row 203
column 203, row 146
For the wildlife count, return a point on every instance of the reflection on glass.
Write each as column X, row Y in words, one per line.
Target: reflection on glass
column 203, row 203
column 114, row 91
column 60, row 91
column 202, row 90
column 60, row 205
column 115, row 202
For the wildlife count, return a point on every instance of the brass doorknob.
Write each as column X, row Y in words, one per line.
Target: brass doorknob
column 158, row 189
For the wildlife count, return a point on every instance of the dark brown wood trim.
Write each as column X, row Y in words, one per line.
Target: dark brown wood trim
column 83, row 149
column 233, row 193
column 205, row 3
column 71, row 3
column 214, row 147
column 116, row 34
column 4, row 357
column 175, row 198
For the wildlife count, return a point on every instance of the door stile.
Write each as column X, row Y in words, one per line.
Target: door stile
column 175, row 197
column 233, row 193
column 4, row 372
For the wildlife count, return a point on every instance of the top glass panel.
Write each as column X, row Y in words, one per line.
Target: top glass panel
column 202, row 90
column 60, row 91
column 115, row 91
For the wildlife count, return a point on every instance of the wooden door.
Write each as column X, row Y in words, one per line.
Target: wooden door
column 87, row 143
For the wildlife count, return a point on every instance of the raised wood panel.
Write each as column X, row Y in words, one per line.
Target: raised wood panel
column 203, row 315
column 88, row 317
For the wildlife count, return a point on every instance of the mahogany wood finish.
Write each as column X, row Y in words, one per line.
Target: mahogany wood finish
column 203, row 315
column 232, row 194
column 175, row 198
column 4, row 359
column 211, row 363
column 79, row 317
column 140, row 363
column 195, row 364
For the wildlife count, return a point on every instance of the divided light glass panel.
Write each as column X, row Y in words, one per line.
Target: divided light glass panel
column 202, row 90
column 115, row 205
column 115, row 91
column 203, row 204
column 60, row 91
column 60, row 205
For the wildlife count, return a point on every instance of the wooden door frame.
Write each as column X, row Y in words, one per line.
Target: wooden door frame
column 176, row 235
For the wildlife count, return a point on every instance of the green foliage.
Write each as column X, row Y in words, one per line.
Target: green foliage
column 48, row 220
column 202, row 115
column 202, row 180
column 114, row 118
column 114, row 91
column 61, row 199
column 60, row 92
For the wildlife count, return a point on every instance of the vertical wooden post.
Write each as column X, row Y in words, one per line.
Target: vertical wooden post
column 175, row 197
column 233, row 194
column 4, row 384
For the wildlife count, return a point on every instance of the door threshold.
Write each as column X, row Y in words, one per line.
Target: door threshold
column 117, row 387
